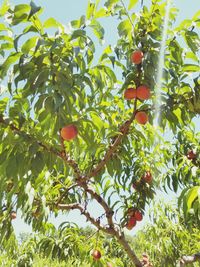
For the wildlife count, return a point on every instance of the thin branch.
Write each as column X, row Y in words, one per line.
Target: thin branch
column 127, row 13
column 95, row 222
column 123, row 242
column 46, row 147
column 123, row 132
column 66, row 192
column 101, row 201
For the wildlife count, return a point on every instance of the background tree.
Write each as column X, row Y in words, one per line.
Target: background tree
column 71, row 136
column 167, row 238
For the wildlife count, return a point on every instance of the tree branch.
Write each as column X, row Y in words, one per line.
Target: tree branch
column 124, row 128
column 121, row 239
column 111, row 231
column 101, row 201
column 83, row 211
column 113, row 147
column 46, row 147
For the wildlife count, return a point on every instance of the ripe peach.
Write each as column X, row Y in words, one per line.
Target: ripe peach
column 131, row 223
column 191, row 155
column 136, row 57
column 143, row 92
column 141, row 117
column 138, row 216
column 130, row 93
column 96, row 254
column 147, row 177
column 69, row 132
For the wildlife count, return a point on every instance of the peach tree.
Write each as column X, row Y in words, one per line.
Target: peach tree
column 77, row 130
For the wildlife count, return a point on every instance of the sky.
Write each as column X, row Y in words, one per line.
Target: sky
column 64, row 11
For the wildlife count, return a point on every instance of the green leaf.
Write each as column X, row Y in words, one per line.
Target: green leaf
column 191, row 68
column 132, row 3
column 8, row 62
column 96, row 120
column 52, row 23
column 3, row 27
column 176, row 52
column 78, row 33
column 192, row 40
column 192, row 195
column 20, row 13
column 29, row 45
column 11, row 169
column 28, row 29
column 124, row 28
column 90, row 10
column 101, row 13
column 34, row 9
column 4, row 8
column 37, row 162
column 110, row 3
column 97, row 29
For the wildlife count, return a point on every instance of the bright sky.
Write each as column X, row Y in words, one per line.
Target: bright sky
column 65, row 11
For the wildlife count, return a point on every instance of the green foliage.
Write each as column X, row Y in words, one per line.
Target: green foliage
column 52, row 78
column 167, row 238
column 62, row 247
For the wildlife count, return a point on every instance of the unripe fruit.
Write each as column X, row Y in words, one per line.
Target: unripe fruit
column 131, row 223
column 138, row 216
column 147, row 177
column 143, row 92
column 141, row 117
column 109, row 264
column 136, row 57
column 69, row 132
column 96, row 254
column 130, row 93
column 191, row 155
column 13, row 215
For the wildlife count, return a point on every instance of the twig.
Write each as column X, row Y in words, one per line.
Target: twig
column 46, row 147
column 127, row 13
column 87, row 215
column 65, row 193
column 101, row 201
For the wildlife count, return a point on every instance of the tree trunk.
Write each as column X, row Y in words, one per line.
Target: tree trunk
column 124, row 243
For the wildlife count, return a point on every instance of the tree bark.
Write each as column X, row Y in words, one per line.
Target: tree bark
column 123, row 242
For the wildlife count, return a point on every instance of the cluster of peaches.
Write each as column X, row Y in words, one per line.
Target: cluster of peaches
column 142, row 92
column 134, row 215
